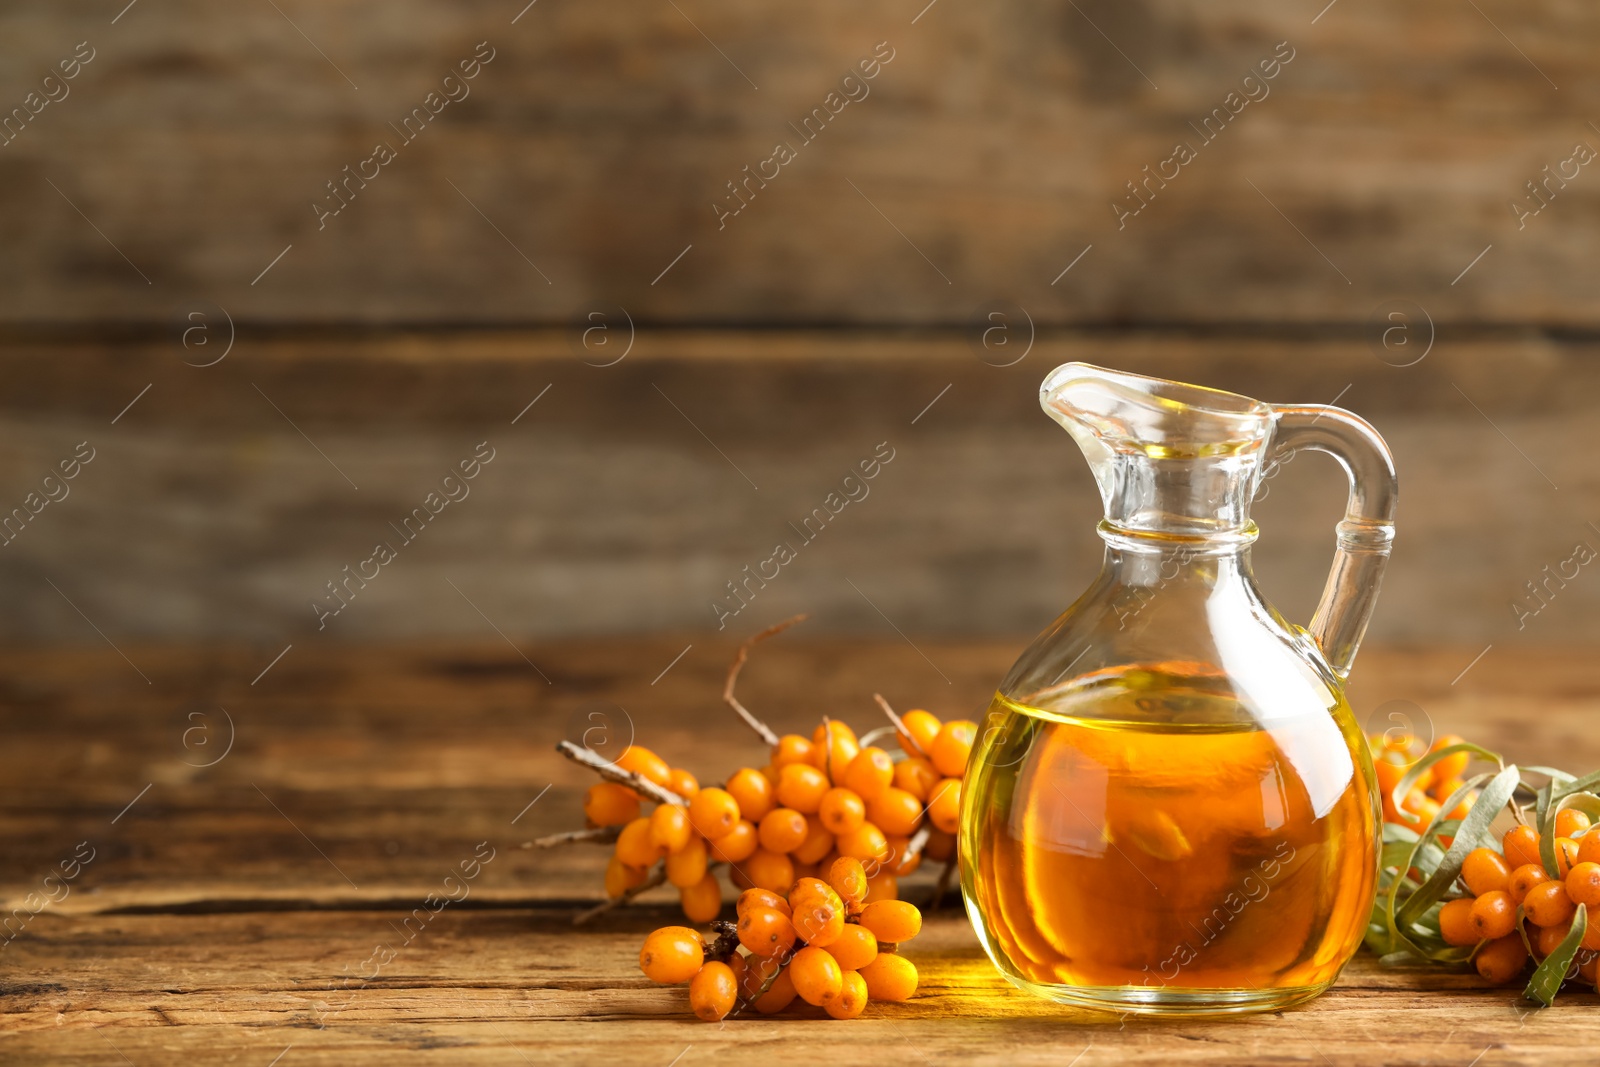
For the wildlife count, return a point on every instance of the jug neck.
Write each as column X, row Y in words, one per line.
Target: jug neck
column 1155, row 503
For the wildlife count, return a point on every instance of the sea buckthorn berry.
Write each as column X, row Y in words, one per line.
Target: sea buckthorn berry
column 952, row 746
column 892, row 920
column 779, row 996
column 923, row 727
column 1418, row 809
column 713, row 991
column 671, row 955
column 1493, row 915
column 882, row 886
column 1390, row 767
column 1521, row 845
column 620, row 877
column 610, row 804
column 1462, row 809
column 1589, row 964
column 818, row 842
column 865, row 842
column 819, row 919
column 760, row 898
column 737, row 845
column 753, row 793
column 713, row 812
column 801, row 786
column 1484, row 870
column 841, row 811
column 941, row 846
column 902, row 861
column 848, row 878
column 1547, row 904
column 895, row 811
column 770, row 773
column 1566, row 855
column 1589, row 847
column 870, row 773
column 634, row 846
column 1583, row 886
column 740, row 880
column 702, row 901
column 891, row 977
column 1498, row 962
column 916, row 776
column 1450, row 767
column 683, row 783
column 806, row 886
column 817, row 975
column 791, row 748
column 646, row 764
column 687, row 866
column 944, row 805
column 833, row 755
column 804, row 870
column 1546, row 939
column 852, row 998
column 770, row 870
column 1523, row 879
column 855, row 947
column 1591, row 936
column 1570, row 822
column 766, row 931
column 782, row 830
column 1455, row 923
column 669, row 827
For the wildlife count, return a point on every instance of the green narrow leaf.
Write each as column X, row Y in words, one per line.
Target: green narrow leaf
column 1551, row 773
column 1549, row 975
column 1570, row 785
column 1471, row 831
column 1409, row 779
column 1546, row 826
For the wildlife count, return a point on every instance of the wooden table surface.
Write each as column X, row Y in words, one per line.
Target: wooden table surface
column 243, row 848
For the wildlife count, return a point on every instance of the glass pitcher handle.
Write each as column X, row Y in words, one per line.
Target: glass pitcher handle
column 1367, row 530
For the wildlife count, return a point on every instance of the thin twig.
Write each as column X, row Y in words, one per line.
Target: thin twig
column 918, row 840
column 599, row 835
column 762, row 729
column 657, row 876
column 611, row 772
column 899, row 724
column 944, row 884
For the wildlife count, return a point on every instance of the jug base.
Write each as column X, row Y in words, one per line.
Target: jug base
column 1188, row 1003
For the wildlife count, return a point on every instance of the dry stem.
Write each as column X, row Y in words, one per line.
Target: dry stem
column 611, row 772
column 657, row 876
column 944, row 884
column 762, row 729
column 599, row 835
column 899, row 725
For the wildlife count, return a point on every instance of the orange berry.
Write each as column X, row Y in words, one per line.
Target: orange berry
column 892, row 920
column 1583, row 886
column 870, row 773
column 646, row 764
column 801, row 786
column 1566, row 855
column 669, row 827
column 890, row 977
column 865, row 842
column 1484, row 870
column 713, row 991
column 849, row 879
column 834, row 751
column 760, row 898
column 1451, row 767
column 766, row 931
column 635, row 847
column 780, row 996
column 916, row 776
column 1493, row 915
column 841, row 811
column 1570, row 822
column 683, row 783
column 1500, row 960
column 1589, row 847
column 944, row 805
column 818, row 917
column 882, row 886
column 770, row 870
column 671, row 955
column 952, row 746
column 1390, row 767
column 1546, row 939
column 818, row 842
column 941, row 846
column 1523, row 879
column 895, row 811
column 620, row 877
column 770, row 773
column 687, row 866
column 855, row 947
column 1521, row 845
column 817, row 975
column 923, row 728
column 1547, row 904
column 753, row 793
column 1462, row 809
column 737, row 845
column 702, row 901
column 1591, row 936
column 1418, row 809
column 713, row 812
column 610, row 804
column 1589, row 964
column 782, row 830
column 791, row 748
column 901, row 860
column 852, row 998
column 1455, row 923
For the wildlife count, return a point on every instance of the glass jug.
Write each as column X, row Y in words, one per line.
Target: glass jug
column 1170, row 808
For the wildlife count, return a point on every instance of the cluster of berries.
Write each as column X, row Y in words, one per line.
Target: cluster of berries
column 824, row 942
column 1393, row 755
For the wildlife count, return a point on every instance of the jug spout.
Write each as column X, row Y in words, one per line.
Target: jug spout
column 1170, row 459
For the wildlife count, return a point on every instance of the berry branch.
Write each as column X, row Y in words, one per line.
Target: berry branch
column 762, row 730
column 899, row 725
column 599, row 835
column 657, row 876
column 591, row 759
